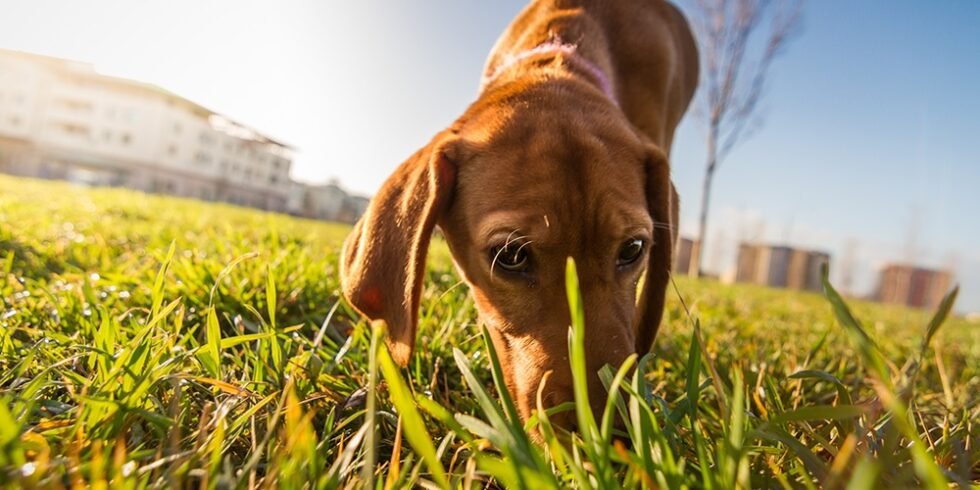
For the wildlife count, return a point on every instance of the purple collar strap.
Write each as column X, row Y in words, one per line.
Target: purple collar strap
column 554, row 46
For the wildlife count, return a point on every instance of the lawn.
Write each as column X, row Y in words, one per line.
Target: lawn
column 148, row 341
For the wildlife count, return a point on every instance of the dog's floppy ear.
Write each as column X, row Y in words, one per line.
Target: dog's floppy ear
column 383, row 259
column 662, row 204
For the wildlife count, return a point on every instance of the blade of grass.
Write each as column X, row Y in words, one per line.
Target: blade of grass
column 580, row 375
column 214, row 344
column 937, row 320
column 843, row 395
column 869, row 350
column 370, row 416
column 270, row 297
column 597, row 451
column 412, row 423
column 157, row 291
column 614, row 395
column 500, row 383
column 820, row 412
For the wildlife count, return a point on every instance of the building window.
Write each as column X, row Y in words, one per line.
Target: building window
column 106, row 135
column 177, row 128
column 202, row 157
column 172, row 150
column 126, row 139
column 76, row 105
column 205, row 139
column 73, row 129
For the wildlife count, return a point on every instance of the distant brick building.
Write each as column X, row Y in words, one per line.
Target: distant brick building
column 913, row 286
column 780, row 266
column 683, row 255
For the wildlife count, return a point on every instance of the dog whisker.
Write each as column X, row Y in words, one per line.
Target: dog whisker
column 510, row 239
column 524, row 245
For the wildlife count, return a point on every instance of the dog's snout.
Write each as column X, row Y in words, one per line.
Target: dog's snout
column 564, row 418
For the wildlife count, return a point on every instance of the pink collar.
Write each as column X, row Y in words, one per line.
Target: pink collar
column 558, row 47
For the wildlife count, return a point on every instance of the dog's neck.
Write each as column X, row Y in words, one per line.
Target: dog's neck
column 554, row 47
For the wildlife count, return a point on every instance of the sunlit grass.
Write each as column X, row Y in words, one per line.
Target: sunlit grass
column 150, row 341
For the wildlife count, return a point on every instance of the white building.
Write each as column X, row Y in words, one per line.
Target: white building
column 62, row 120
column 326, row 202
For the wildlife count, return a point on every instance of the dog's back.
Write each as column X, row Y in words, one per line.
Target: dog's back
column 646, row 46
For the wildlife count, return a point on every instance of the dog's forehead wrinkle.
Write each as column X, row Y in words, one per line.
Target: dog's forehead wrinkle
column 617, row 211
column 508, row 223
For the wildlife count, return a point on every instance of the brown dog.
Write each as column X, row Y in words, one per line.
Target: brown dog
column 563, row 154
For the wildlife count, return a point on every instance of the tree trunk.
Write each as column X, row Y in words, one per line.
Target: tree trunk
column 696, row 268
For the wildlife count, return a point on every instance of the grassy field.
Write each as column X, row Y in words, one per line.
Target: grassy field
column 157, row 342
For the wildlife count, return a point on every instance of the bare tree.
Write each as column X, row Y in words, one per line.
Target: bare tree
column 736, row 66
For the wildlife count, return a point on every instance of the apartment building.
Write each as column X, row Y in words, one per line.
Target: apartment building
column 913, row 286
column 61, row 119
column 326, row 202
column 780, row 266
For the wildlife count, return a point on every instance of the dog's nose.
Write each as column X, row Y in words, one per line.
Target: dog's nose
column 565, row 419
column 568, row 418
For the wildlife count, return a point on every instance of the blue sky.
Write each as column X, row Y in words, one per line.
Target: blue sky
column 868, row 135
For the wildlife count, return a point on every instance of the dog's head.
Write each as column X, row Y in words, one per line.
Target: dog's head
column 517, row 186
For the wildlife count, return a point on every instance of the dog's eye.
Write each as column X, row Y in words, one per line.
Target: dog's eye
column 629, row 252
column 513, row 257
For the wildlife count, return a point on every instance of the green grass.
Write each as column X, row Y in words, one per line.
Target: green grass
column 156, row 342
